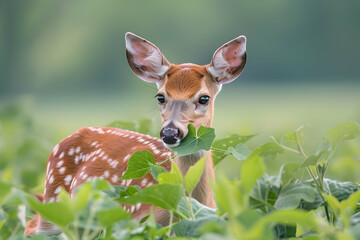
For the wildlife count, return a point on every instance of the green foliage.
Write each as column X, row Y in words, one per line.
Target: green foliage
column 139, row 165
column 297, row 202
column 195, row 141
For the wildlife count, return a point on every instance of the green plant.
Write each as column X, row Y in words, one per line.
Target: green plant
column 297, row 202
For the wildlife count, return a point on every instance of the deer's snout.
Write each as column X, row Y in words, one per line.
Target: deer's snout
column 171, row 136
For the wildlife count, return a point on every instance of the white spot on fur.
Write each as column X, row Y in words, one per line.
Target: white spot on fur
column 115, row 178
column 51, row 179
column 76, row 160
column 68, row 179
column 62, row 170
column 144, row 182
column 57, row 190
column 71, row 151
column 55, row 150
column 128, row 182
column 106, row 174
column 77, row 150
column 126, row 158
column 60, row 163
column 61, row 155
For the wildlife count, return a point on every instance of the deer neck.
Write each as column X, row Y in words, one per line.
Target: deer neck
column 202, row 192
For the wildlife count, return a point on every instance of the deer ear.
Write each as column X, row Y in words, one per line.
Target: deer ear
column 145, row 59
column 228, row 61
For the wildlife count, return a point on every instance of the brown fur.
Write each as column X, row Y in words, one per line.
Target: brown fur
column 183, row 81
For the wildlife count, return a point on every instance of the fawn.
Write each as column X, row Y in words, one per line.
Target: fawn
column 186, row 95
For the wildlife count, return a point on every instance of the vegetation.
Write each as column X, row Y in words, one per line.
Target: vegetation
column 299, row 201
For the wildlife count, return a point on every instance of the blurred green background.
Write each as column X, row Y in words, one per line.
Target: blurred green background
column 63, row 66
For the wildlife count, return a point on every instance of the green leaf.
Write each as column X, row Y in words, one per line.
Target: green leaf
column 2, row 218
column 110, row 213
column 253, row 167
column 240, row 152
column 333, row 203
column 61, row 213
column 195, row 228
column 312, row 160
column 155, row 170
column 264, row 191
column 343, row 131
column 172, row 177
column 287, row 172
column 340, row 190
column 221, row 146
column 166, row 196
column 193, row 175
column 194, row 142
column 198, row 209
column 291, row 195
column 228, row 196
column 82, row 196
column 139, row 165
column 288, row 217
column 269, row 150
column 293, row 136
column 5, row 190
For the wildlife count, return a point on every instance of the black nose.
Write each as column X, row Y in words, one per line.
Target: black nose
column 170, row 135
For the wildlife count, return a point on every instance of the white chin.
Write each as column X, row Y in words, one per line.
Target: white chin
column 170, row 146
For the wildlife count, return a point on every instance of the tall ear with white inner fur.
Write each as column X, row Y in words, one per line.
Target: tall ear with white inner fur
column 228, row 61
column 145, row 59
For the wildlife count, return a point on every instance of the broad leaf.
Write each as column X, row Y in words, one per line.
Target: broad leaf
column 61, row 213
column 110, row 212
column 221, row 146
column 5, row 189
column 340, row 190
column 138, row 165
column 195, row 141
column 313, row 159
column 287, row 172
column 166, row 196
column 172, row 177
column 343, row 131
column 297, row 135
column 291, row 195
column 193, row 175
column 194, row 228
column 240, row 152
column 198, row 209
column 155, row 170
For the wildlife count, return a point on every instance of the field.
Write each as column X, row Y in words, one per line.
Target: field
column 32, row 125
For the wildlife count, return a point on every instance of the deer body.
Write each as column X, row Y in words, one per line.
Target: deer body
column 186, row 95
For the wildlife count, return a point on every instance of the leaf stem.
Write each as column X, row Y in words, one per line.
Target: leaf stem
column 218, row 149
column 188, row 202
column 284, row 147
column 170, row 222
column 263, row 202
column 169, row 159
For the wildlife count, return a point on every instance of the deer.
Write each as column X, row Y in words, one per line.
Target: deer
column 186, row 95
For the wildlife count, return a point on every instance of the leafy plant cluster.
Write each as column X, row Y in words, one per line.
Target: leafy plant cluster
column 298, row 202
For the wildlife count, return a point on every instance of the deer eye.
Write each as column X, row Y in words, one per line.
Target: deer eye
column 160, row 98
column 204, row 100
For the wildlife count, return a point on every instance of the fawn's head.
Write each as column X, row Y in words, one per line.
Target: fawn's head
column 186, row 92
